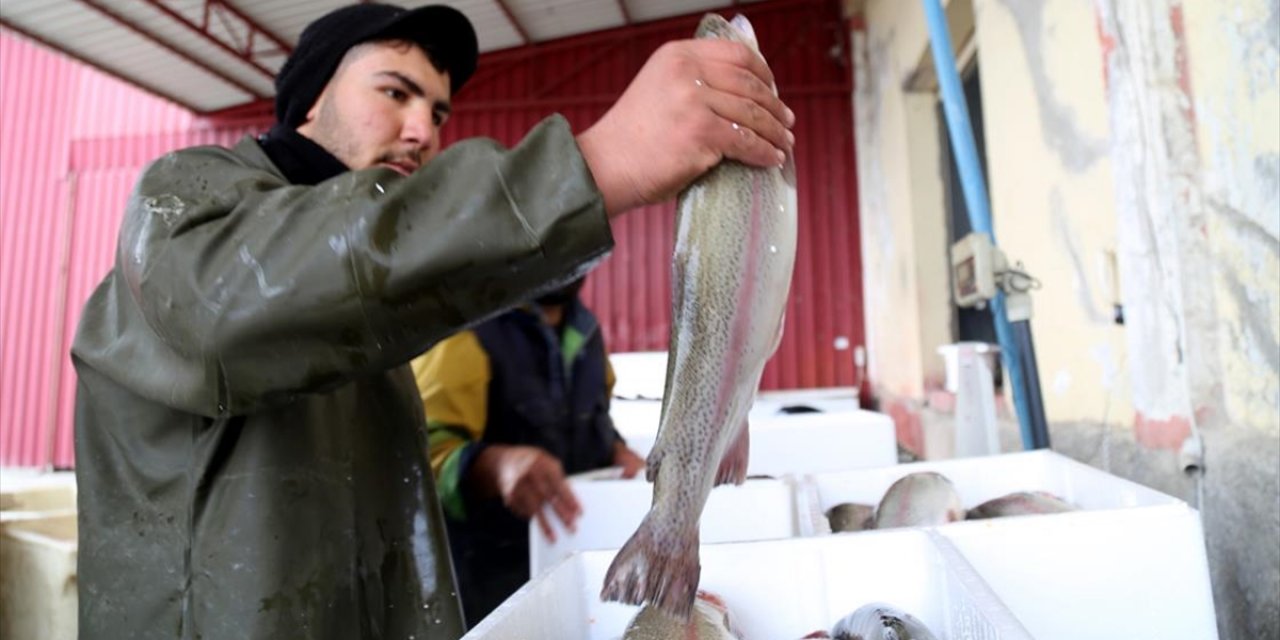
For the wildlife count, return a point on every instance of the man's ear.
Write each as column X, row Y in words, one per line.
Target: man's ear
column 304, row 127
column 314, row 111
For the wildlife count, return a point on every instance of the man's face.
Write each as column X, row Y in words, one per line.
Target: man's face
column 384, row 107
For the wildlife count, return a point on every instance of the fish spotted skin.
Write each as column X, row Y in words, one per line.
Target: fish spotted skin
column 879, row 621
column 731, row 275
column 1022, row 503
column 919, row 499
column 708, row 621
column 850, row 516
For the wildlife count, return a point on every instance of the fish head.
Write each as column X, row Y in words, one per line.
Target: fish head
column 739, row 29
column 715, row 608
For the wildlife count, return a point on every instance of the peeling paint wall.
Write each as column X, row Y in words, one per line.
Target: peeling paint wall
column 1166, row 271
column 1052, row 192
column 1195, row 108
column 1233, row 68
column 901, row 203
column 1133, row 149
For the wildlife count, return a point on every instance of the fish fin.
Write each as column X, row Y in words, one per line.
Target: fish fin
column 733, row 466
column 777, row 338
column 662, row 570
column 653, row 463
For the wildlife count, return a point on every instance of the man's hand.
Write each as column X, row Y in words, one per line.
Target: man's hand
column 527, row 478
column 630, row 461
column 693, row 103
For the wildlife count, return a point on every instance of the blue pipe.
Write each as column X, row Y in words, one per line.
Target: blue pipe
column 960, row 131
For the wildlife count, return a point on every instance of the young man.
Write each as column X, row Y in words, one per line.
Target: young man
column 248, row 434
column 513, row 405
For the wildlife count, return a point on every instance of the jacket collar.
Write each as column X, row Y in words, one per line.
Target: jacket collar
column 299, row 158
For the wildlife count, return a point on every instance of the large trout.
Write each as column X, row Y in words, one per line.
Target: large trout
column 731, row 273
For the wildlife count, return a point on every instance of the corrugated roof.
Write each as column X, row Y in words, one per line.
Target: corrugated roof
column 212, row 55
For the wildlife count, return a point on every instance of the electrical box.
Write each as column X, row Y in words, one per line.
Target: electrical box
column 974, row 264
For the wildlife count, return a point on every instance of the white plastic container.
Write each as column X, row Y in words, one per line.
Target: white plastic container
column 775, row 590
column 38, row 592
column 978, row 480
column 1117, row 574
column 29, row 493
column 794, row 443
column 612, row 509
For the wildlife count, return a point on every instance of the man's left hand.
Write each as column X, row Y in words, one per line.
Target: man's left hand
column 630, row 461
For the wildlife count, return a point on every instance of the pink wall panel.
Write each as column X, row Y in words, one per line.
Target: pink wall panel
column 32, row 215
column 581, row 76
column 74, row 141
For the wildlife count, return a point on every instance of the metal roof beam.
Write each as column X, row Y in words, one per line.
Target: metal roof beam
column 246, row 53
column 515, row 24
column 127, row 24
column 97, row 64
column 255, row 28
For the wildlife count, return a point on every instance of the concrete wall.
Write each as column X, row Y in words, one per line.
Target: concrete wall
column 1133, row 150
column 1233, row 68
column 1195, row 112
column 1052, row 192
column 905, row 273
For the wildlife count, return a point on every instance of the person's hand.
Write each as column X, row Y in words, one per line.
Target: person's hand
column 527, row 479
column 630, row 461
column 693, row 103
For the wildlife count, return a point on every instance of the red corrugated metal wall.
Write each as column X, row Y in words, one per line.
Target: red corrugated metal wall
column 804, row 41
column 33, row 159
column 75, row 139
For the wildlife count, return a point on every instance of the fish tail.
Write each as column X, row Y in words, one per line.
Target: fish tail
column 659, row 569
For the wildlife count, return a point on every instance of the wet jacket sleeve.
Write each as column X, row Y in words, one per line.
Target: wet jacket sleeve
column 255, row 290
column 453, row 380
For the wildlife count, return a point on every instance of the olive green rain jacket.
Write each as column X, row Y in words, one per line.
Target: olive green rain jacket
column 250, row 449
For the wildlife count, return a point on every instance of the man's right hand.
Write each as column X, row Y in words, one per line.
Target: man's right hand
column 527, row 479
column 693, row 103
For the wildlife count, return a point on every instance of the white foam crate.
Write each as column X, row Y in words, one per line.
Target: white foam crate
column 776, row 590
column 612, row 509
column 978, row 480
column 643, row 375
column 789, row 443
column 1114, row 574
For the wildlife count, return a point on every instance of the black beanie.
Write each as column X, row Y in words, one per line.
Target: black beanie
column 440, row 29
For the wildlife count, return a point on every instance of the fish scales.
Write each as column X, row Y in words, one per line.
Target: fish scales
column 709, row 621
column 731, row 276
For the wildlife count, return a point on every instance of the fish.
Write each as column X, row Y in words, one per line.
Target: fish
column 731, row 271
column 879, row 621
column 708, row 621
column 1022, row 503
column 924, row 498
column 849, row 516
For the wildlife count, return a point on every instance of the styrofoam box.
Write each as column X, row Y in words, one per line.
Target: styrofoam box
column 640, row 416
column 613, row 509
column 978, row 480
column 1134, row 573
column 27, row 494
column 775, row 590
column 38, row 596
column 643, row 375
column 795, row 443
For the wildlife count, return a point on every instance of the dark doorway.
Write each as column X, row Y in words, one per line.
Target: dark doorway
column 967, row 325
